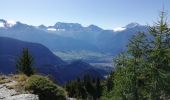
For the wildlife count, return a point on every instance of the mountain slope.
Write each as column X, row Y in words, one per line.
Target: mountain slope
column 116, row 42
column 79, row 69
column 45, row 62
column 10, row 49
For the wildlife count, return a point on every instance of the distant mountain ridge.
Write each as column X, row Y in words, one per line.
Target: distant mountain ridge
column 73, row 36
column 65, row 37
column 61, row 26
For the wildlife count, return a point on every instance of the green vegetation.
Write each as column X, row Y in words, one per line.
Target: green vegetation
column 40, row 85
column 16, row 82
column 143, row 72
column 21, row 80
column 3, row 79
column 24, row 63
column 86, row 88
column 45, row 88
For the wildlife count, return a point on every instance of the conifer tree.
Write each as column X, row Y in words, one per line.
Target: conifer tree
column 24, row 63
column 143, row 72
column 159, row 58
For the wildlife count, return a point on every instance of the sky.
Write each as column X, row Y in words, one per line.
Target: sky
column 107, row 14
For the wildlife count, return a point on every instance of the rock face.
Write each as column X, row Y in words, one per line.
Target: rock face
column 23, row 97
column 10, row 94
column 5, row 92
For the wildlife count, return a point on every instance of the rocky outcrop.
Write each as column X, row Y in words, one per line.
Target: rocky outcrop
column 7, row 93
column 23, row 97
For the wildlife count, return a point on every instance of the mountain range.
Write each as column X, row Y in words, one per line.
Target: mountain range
column 73, row 37
column 51, row 44
column 68, row 35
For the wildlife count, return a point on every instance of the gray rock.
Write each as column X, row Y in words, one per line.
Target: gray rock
column 23, row 97
column 5, row 92
column 11, row 94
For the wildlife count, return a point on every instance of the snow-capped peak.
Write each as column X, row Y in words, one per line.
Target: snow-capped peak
column 2, row 23
column 11, row 23
column 7, row 23
column 119, row 29
column 132, row 25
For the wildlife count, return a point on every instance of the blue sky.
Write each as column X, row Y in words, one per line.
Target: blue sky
column 107, row 14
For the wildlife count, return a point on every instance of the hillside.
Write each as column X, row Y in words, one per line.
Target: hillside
column 45, row 62
column 12, row 48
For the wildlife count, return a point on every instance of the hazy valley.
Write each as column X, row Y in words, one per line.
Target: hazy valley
column 74, row 61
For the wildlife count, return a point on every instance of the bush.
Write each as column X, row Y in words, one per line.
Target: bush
column 44, row 88
column 22, row 78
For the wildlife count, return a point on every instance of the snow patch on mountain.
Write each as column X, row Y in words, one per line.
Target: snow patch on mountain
column 11, row 23
column 119, row 29
column 60, row 29
column 131, row 25
column 51, row 29
column 7, row 23
column 2, row 25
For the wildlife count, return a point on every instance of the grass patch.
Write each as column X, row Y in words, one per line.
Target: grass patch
column 4, row 80
column 21, row 80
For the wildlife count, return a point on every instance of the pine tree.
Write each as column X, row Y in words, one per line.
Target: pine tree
column 24, row 63
column 159, row 58
column 143, row 72
column 122, row 86
column 138, row 50
column 110, row 82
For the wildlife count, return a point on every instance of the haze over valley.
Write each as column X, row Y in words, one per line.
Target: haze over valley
column 72, row 41
column 84, row 50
